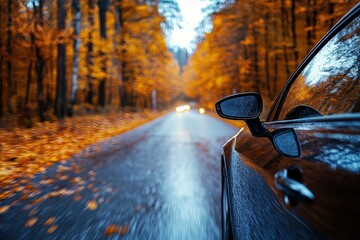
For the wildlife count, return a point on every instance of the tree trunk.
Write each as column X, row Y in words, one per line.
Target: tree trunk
column 275, row 79
column 293, row 31
column 1, row 61
column 90, row 52
column 103, row 5
column 284, row 37
column 314, row 20
column 255, row 62
column 308, row 25
column 11, row 89
column 60, row 101
column 39, row 68
column 113, row 59
column 28, row 83
column 331, row 14
column 124, row 91
column 76, row 24
column 267, row 50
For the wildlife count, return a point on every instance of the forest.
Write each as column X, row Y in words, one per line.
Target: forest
column 256, row 45
column 74, row 57
column 60, row 58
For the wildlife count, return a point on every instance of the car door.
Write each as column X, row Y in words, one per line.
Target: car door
column 321, row 102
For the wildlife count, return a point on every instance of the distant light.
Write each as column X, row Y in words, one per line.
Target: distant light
column 183, row 108
column 179, row 109
column 201, row 110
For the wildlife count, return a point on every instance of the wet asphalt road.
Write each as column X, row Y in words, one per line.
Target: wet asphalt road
column 159, row 181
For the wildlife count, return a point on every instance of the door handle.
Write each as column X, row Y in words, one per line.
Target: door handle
column 289, row 181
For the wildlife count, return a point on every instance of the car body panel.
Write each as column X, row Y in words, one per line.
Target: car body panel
column 256, row 211
column 330, row 161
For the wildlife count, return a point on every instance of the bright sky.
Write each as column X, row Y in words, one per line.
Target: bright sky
column 192, row 16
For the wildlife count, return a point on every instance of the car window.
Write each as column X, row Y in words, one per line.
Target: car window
column 329, row 84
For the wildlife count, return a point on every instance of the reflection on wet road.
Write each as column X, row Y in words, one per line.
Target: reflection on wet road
column 159, row 181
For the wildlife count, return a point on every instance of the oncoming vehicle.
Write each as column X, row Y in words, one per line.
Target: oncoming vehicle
column 297, row 174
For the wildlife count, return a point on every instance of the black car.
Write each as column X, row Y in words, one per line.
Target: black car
column 297, row 174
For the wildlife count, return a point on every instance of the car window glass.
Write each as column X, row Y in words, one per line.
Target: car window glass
column 329, row 84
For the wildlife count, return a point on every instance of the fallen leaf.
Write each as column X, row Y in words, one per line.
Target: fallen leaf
column 92, row 205
column 31, row 222
column 46, row 182
column 4, row 209
column 36, row 201
column 123, row 230
column 63, row 178
column 77, row 198
column 111, row 229
column 49, row 221
column 52, row 229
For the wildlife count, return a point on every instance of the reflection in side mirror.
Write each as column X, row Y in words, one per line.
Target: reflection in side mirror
column 242, row 106
column 286, row 142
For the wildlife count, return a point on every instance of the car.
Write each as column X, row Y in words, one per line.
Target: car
column 296, row 175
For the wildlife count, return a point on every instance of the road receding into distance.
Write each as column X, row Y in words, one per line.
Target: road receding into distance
column 160, row 181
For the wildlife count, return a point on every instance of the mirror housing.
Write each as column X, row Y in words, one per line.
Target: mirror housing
column 286, row 142
column 241, row 106
column 248, row 107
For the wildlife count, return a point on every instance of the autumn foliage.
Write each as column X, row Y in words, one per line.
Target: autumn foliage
column 256, row 45
column 62, row 58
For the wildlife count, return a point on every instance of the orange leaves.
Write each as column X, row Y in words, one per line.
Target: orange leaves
column 52, row 229
column 31, row 222
column 113, row 229
column 49, row 221
column 77, row 198
column 110, row 230
column 32, row 150
column 91, row 205
column 4, row 209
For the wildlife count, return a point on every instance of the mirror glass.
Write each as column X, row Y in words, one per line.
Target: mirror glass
column 242, row 106
column 287, row 142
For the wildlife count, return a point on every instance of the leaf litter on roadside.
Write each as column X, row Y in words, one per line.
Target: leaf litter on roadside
column 25, row 152
column 114, row 229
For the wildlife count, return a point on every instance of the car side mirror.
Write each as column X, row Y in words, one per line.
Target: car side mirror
column 242, row 106
column 286, row 142
column 248, row 107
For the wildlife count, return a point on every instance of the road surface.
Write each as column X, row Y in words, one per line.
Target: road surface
column 160, row 181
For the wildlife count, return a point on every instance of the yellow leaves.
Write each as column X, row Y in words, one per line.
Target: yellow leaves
column 46, row 182
column 113, row 229
column 110, row 230
column 4, row 209
column 49, row 221
column 6, row 194
column 77, row 198
column 37, row 148
column 31, row 222
column 52, row 229
column 77, row 180
column 91, row 205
